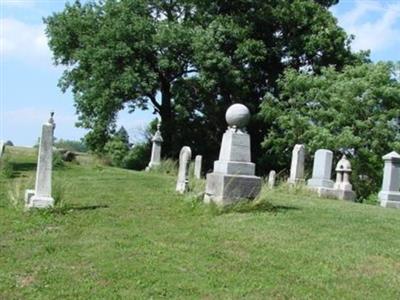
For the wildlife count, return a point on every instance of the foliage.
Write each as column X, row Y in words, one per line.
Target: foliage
column 123, row 135
column 357, row 109
column 7, row 167
column 138, row 157
column 189, row 60
column 9, row 143
column 116, row 149
column 58, row 161
column 76, row 146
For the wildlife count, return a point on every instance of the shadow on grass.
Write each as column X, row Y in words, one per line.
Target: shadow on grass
column 22, row 167
column 262, row 206
column 70, row 208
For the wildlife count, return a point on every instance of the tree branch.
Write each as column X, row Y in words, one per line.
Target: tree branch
column 154, row 101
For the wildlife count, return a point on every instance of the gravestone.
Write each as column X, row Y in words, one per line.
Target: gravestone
column 233, row 176
column 343, row 187
column 2, row 148
column 197, row 166
column 184, row 159
column 389, row 196
column 322, row 169
column 271, row 179
column 157, row 140
column 40, row 197
column 297, row 165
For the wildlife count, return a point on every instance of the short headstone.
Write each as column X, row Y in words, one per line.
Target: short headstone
column 233, row 176
column 271, row 179
column 343, row 187
column 2, row 148
column 389, row 196
column 157, row 140
column 197, row 166
column 297, row 165
column 184, row 160
column 40, row 197
column 322, row 169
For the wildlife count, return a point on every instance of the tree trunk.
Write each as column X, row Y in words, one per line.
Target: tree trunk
column 167, row 119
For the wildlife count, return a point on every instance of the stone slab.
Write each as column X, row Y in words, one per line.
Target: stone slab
column 223, row 189
column 234, row 167
column 235, row 147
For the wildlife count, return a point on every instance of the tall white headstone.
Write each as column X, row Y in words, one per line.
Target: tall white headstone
column 322, row 170
column 157, row 140
column 233, row 176
column 389, row 196
column 41, row 196
column 197, row 166
column 297, row 165
column 271, row 178
column 184, row 160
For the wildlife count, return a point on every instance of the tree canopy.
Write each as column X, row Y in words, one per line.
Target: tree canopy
column 188, row 60
column 357, row 110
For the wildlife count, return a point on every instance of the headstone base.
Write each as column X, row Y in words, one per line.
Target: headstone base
column 334, row 193
column 223, row 189
column 32, row 201
column 346, row 195
column 296, row 181
column 389, row 199
column 320, row 183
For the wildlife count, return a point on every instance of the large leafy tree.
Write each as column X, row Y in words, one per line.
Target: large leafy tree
column 189, row 60
column 355, row 111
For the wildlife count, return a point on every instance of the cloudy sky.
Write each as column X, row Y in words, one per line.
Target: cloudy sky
column 28, row 79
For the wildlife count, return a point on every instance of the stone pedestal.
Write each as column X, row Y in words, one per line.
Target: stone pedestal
column 41, row 196
column 297, row 165
column 157, row 140
column 233, row 175
column 389, row 196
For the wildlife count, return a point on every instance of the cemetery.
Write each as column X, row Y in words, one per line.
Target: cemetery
column 269, row 168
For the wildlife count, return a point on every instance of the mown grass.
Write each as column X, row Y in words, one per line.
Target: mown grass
column 121, row 234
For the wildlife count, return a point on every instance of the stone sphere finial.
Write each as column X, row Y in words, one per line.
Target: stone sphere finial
column 237, row 116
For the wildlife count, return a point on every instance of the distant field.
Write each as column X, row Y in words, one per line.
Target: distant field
column 121, row 234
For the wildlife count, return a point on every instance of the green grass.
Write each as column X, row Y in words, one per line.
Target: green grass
column 123, row 235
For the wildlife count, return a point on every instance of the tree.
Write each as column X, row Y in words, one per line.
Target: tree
column 123, row 135
column 357, row 109
column 188, row 59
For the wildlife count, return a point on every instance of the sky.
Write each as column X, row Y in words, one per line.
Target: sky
column 28, row 78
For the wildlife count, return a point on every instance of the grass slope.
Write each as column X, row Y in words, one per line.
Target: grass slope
column 126, row 235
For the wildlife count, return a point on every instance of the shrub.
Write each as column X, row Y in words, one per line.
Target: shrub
column 7, row 167
column 138, row 157
column 116, row 150
column 58, row 161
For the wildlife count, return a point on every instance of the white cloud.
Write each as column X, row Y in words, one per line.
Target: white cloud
column 24, row 42
column 371, row 32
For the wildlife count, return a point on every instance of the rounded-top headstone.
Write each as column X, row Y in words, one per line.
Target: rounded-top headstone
column 237, row 115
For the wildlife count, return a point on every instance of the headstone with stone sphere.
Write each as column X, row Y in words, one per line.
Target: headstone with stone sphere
column 233, row 176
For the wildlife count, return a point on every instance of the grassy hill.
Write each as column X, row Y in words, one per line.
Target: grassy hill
column 119, row 234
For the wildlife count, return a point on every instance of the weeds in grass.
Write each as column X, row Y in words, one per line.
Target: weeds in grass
column 16, row 188
column 58, row 193
column 58, row 162
column 7, row 167
column 167, row 166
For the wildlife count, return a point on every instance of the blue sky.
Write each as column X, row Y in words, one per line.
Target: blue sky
column 28, row 80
